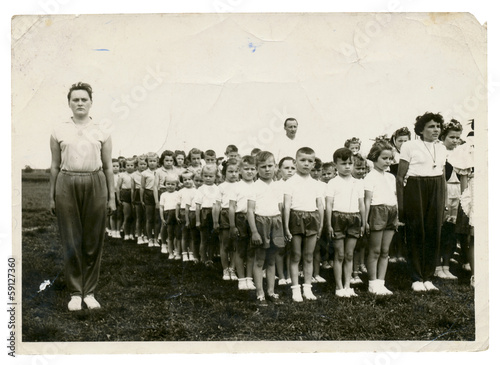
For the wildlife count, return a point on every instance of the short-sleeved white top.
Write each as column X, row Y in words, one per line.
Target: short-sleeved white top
column 421, row 157
column 187, row 196
column 169, row 201
column 150, row 179
column 137, row 176
column 240, row 194
column 206, row 195
column 267, row 198
column 127, row 180
column 304, row 191
column 162, row 174
column 81, row 146
column 383, row 187
column 225, row 190
column 346, row 193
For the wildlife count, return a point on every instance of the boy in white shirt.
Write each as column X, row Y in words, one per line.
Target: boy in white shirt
column 238, row 223
column 345, row 211
column 265, row 221
column 187, row 194
column 303, row 220
column 168, row 204
column 205, row 199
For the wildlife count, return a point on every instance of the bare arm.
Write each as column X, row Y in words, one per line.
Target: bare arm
column 287, row 203
column 321, row 210
column 141, row 191
column 216, row 214
column 368, row 203
column 54, row 171
column 328, row 212
column 362, row 213
column 400, row 177
column 256, row 239
column 108, row 172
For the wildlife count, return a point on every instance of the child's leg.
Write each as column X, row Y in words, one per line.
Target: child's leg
column 195, row 242
column 374, row 253
column 239, row 258
column 384, row 253
column 157, row 225
column 338, row 246
column 203, row 245
column 170, row 239
column 127, row 217
column 307, row 257
column 250, row 258
column 260, row 257
column 270, row 268
column 139, row 220
column 316, row 258
column 295, row 256
column 356, row 260
column 280, row 257
column 350, row 243
column 150, row 216
column 224, row 254
column 185, row 241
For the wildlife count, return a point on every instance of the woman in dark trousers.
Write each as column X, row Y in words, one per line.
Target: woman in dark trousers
column 421, row 190
column 81, row 194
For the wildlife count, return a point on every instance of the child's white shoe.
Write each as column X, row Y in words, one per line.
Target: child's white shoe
column 289, row 281
column 296, row 295
column 341, row 293
column 185, row 256
column 150, row 243
column 418, row 286
column 382, row 289
column 319, row 279
column 140, row 240
column 282, row 282
column 225, row 275
column 440, row 273
column 350, row 292
column 164, row 248
column 242, row 284
column 232, row 274
column 250, row 284
column 75, row 304
column 448, row 274
column 91, row 302
column 307, row 292
column 373, row 286
column 429, row 286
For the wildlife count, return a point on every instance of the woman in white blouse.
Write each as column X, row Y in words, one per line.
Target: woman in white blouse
column 421, row 199
column 81, row 193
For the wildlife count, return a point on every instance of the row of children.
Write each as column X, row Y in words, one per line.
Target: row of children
column 267, row 218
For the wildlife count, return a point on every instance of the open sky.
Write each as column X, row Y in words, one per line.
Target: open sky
column 208, row 80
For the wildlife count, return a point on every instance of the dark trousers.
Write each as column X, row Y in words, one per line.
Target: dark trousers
column 423, row 206
column 81, row 200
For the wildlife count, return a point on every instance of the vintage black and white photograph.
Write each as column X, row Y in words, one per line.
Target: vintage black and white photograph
column 221, row 181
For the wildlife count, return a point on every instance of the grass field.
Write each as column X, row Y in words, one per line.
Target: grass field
column 146, row 297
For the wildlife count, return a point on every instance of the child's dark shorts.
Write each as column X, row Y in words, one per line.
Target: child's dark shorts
column 383, row 217
column 224, row 219
column 192, row 219
column 126, row 196
column 304, row 223
column 346, row 225
column 137, row 196
column 169, row 216
column 241, row 223
column 270, row 230
column 206, row 218
column 149, row 198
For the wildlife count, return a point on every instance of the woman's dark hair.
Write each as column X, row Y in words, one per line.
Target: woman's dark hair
column 422, row 120
column 452, row 126
column 80, row 86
